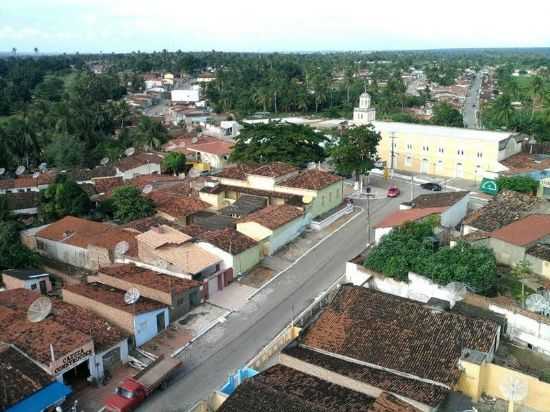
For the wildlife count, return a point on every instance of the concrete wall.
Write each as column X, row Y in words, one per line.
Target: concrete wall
column 539, row 266
column 75, row 256
column 32, row 284
column 489, row 378
column 286, row 234
column 216, row 200
column 146, row 169
column 326, row 199
column 145, row 325
column 96, row 363
column 505, row 252
column 240, row 263
column 456, row 213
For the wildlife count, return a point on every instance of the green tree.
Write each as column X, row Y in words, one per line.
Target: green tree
column 174, row 162
column 129, row 204
column 284, row 142
column 149, row 134
column 521, row 270
column 447, row 115
column 522, row 184
column 13, row 254
column 355, row 151
column 65, row 151
column 537, row 91
column 63, row 198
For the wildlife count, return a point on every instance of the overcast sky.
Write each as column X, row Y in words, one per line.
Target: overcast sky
column 276, row 25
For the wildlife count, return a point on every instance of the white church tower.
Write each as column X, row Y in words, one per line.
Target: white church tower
column 364, row 114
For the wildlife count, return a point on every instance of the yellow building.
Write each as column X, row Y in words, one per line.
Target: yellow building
column 316, row 191
column 445, row 151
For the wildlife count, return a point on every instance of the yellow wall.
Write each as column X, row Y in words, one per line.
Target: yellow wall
column 487, row 378
column 449, row 157
column 257, row 232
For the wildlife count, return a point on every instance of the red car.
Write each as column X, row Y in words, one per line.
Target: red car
column 393, row 191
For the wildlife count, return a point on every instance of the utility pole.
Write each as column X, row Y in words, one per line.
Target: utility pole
column 368, row 220
column 412, row 188
column 392, row 149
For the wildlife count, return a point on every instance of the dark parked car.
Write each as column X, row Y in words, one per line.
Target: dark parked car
column 434, row 187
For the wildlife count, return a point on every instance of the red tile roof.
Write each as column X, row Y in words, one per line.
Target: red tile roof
column 275, row 169
column 441, row 199
column 274, row 216
column 410, row 215
column 114, row 297
column 103, row 333
column 82, row 233
column 150, row 278
column 137, row 160
column 398, row 334
column 524, row 231
column 312, row 179
column 386, row 402
column 281, row 388
column 228, row 240
column 219, row 147
column 107, row 184
column 177, row 206
column 238, row 171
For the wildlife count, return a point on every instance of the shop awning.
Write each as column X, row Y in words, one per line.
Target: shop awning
column 48, row 396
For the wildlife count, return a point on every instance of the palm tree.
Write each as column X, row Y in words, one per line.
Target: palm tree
column 35, row 50
column 503, row 110
column 537, row 91
column 14, row 51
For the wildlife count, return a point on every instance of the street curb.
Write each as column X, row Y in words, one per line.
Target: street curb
column 261, row 288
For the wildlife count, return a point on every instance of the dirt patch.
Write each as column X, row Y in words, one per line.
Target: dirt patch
column 257, row 277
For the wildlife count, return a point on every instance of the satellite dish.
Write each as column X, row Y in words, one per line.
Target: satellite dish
column 104, row 161
column 39, row 309
column 131, row 296
column 163, row 264
column 43, row 167
column 147, row 189
column 130, row 151
column 307, row 199
column 35, row 175
column 194, row 173
column 121, row 248
column 20, row 170
column 456, row 291
column 514, row 389
column 194, row 140
column 539, row 303
column 2, row 170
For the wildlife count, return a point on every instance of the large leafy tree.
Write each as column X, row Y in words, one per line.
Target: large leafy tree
column 128, row 203
column 408, row 249
column 149, row 133
column 355, row 151
column 522, row 184
column 447, row 115
column 13, row 254
column 291, row 143
column 65, row 151
column 63, row 198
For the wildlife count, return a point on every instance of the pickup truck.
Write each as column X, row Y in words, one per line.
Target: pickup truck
column 132, row 391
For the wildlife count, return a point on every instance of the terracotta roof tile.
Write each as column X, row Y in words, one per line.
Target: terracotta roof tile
column 274, row 217
column 312, row 179
column 107, row 184
column 177, row 206
column 228, row 240
column 280, row 388
column 218, row 147
column 441, row 199
column 20, row 377
column 275, row 169
column 149, row 278
column 238, row 171
column 386, row 402
column 113, row 297
column 137, row 160
column 422, row 392
column 398, row 334
column 524, row 231
column 408, row 215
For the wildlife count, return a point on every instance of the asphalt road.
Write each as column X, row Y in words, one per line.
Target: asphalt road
column 471, row 105
column 232, row 344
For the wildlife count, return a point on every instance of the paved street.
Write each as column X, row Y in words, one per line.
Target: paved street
column 230, row 345
column 471, row 105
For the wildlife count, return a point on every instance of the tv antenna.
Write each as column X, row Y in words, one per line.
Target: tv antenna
column 121, row 248
column 2, row 170
column 130, row 151
column 514, row 390
column 43, row 167
column 39, row 309
column 147, row 189
column 131, row 296
column 35, row 175
column 539, row 302
column 456, row 291
column 20, row 170
column 104, row 161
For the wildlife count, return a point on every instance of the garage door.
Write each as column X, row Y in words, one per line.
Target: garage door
column 111, row 359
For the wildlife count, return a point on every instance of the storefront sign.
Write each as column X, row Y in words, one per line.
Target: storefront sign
column 72, row 359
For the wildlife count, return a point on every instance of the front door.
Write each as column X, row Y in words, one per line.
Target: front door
column 161, row 322
column 43, row 287
column 459, row 170
column 424, row 166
